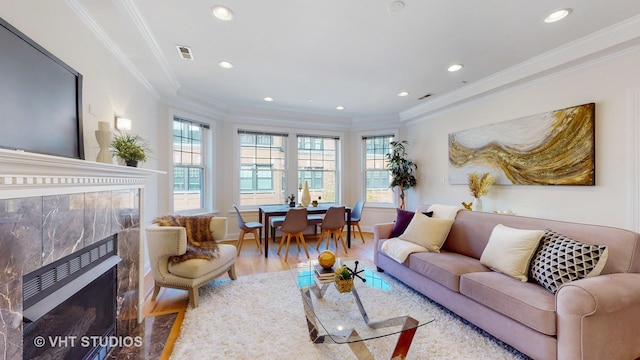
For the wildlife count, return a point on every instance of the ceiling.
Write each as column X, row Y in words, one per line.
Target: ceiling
column 311, row 56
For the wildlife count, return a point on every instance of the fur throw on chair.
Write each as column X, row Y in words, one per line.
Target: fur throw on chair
column 200, row 241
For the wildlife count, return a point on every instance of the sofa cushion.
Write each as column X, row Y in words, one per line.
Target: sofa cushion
column 427, row 232
column 510, row 250
column 560, row 259
column 195, row 268
column 525, row 302
column 445, row 268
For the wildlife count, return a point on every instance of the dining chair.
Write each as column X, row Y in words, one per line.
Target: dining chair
column 294, row 224
column 276, row 222
column 247, row 227
column 332, row 226
column 356, row 215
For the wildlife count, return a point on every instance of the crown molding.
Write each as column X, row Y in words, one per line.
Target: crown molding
column 88, row 20
column 132, row 10
column 287, row 118
column 607, row 41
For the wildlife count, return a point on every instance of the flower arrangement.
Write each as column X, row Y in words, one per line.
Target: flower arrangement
column 480, row 186
column 291, row 198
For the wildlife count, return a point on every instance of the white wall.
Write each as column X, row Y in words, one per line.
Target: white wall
column 611, row 83
column 108, row 87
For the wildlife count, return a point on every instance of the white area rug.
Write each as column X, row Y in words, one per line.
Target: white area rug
column 262, row 317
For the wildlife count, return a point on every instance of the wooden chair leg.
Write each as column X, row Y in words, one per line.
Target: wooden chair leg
column 257, row 239
column 156, row 290
column 344, row 246
column 232, row 272
column 360, row 231
column 193, row 297
column 281, row 242
column 286, row 255
column 304, row 245
column 240, row 240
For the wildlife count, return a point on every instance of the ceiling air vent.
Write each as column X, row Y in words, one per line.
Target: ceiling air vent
column 185, row 52
column 424, row 96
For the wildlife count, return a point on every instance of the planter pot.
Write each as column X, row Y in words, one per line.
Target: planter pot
column 344, row 286
column 292, row 204
column 132, row 163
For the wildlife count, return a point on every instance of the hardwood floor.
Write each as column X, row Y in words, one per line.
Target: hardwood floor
column 249, row 262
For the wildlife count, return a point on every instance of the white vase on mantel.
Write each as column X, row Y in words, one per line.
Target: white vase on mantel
column 103, row 136
column 477, row 204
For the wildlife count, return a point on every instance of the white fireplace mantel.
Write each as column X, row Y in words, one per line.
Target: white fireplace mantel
column 29, row 174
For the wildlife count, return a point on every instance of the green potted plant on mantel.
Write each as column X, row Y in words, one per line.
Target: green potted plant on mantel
column 131, row 148
column 401, row 169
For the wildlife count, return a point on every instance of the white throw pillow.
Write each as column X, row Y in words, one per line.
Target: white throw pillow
column 510, row 250
column 427, row 232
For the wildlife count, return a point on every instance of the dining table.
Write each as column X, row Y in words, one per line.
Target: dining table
column 267, row 211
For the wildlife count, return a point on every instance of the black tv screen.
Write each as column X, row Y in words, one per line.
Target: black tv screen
column 40, row 98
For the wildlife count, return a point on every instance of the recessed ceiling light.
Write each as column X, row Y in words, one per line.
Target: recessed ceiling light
column 340, row 107
column 403, row 93
column 222, row 13
column 225, row 64
column 455, row 67
column 268, row 98
column 557, row 15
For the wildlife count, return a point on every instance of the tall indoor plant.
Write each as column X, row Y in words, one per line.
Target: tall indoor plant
column 402, row 169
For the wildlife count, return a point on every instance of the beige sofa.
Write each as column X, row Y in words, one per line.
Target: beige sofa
column 592, row 318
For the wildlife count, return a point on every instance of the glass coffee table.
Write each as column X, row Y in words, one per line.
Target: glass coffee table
column 371, row 310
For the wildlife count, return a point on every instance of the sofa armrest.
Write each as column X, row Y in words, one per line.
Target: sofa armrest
column 599, row 317
column 381, row 232
column 218, row 227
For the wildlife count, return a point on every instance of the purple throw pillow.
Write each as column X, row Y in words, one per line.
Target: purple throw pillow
column 403, row 218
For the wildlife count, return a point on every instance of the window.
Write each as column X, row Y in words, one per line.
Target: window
column 262, row 168
column 188, row 165
column 318, row 165
column 377, row 177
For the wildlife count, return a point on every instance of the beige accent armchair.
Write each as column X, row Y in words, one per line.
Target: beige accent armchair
column 166, row 241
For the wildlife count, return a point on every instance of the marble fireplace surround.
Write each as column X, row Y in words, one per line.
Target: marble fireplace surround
column 51, row 207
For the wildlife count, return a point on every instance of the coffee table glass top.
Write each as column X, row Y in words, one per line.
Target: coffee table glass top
column 375, row 308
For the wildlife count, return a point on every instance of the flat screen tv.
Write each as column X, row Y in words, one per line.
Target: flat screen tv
column 40, row 98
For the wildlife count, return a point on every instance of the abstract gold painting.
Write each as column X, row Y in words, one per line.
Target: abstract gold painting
column 554, row 148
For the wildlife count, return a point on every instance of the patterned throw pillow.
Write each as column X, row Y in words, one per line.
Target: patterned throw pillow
column 560, row 260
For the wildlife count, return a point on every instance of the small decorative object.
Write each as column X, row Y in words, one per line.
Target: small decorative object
column 467, row 205
column 344, row 279
column 103, row 136
column 402, row 169
column 315, row 203
column 292, row 200
column 129, row 148
column 479, row 187
column 326, row 259
column 305, row 200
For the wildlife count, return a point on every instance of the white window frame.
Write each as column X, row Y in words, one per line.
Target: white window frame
column 208, row 175
column 363, row 150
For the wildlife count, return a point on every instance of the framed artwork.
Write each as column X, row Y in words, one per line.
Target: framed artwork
column 554, row 148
